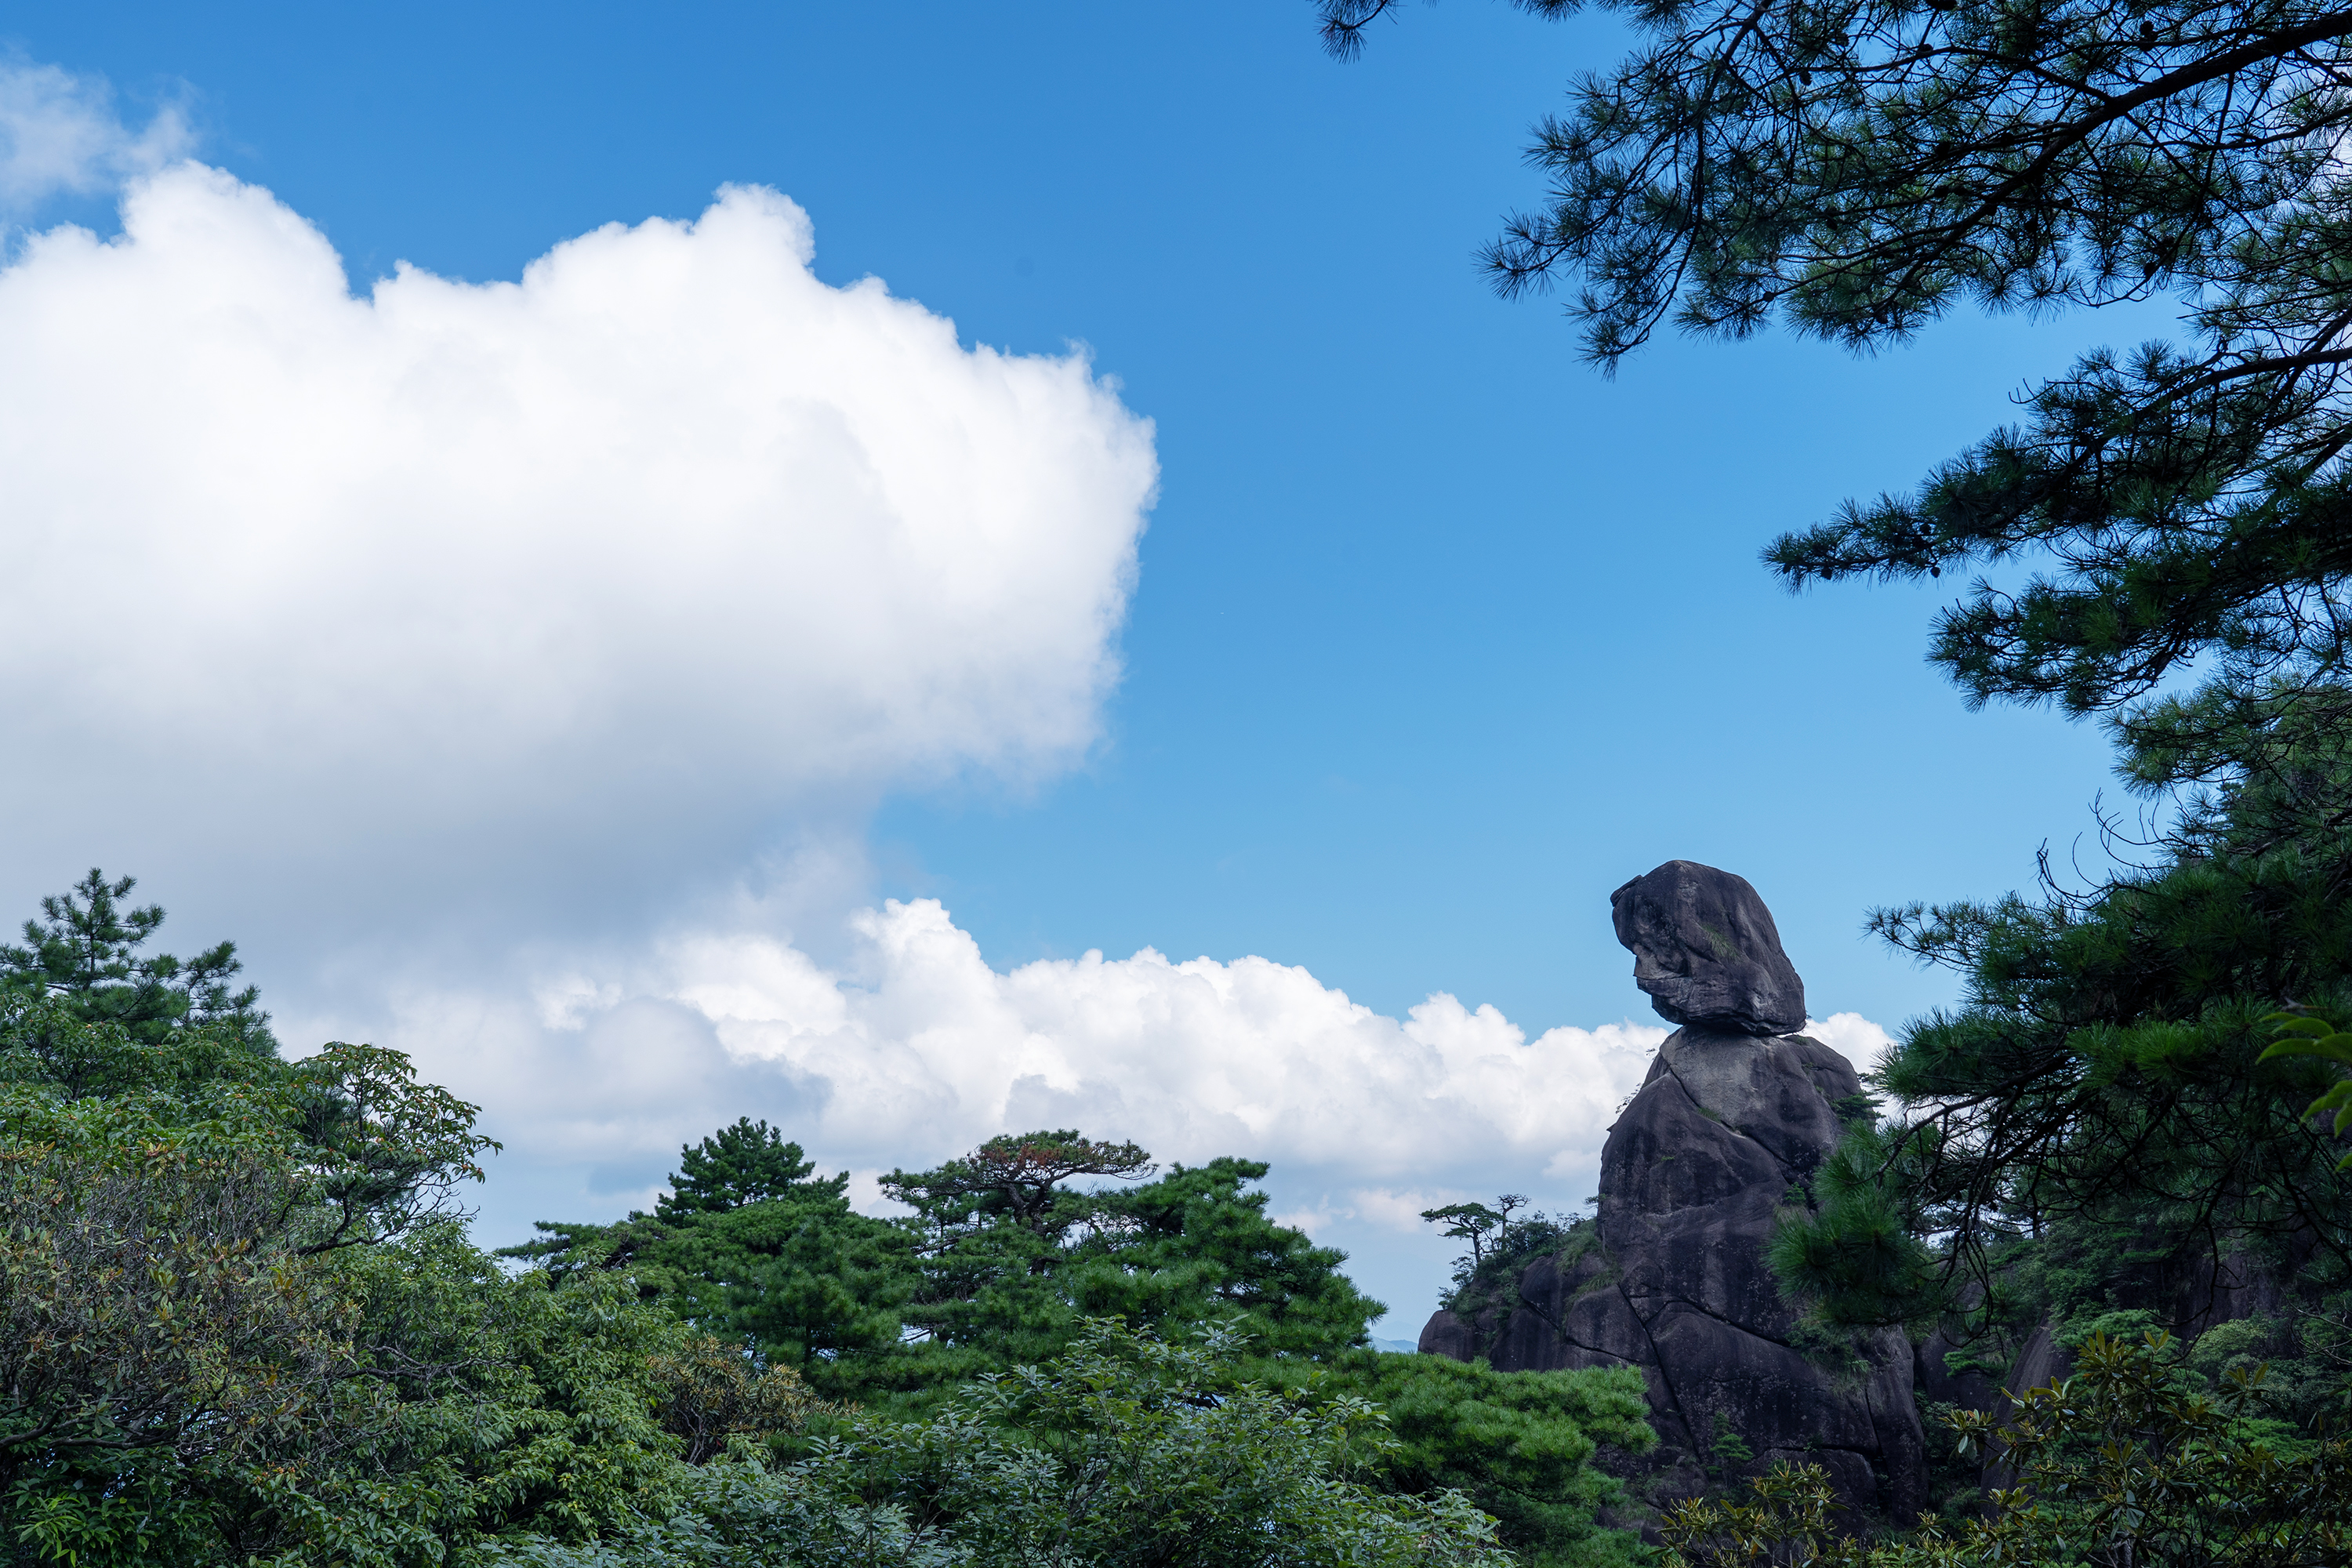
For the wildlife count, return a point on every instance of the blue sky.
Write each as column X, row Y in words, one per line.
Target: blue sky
column 1435, row 636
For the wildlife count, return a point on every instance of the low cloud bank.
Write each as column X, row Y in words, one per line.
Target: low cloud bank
column 915, row 1049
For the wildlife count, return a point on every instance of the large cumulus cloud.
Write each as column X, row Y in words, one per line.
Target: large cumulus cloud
column 441, row 592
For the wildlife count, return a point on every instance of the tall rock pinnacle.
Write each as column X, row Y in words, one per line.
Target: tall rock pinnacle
column 1716, row 1150
column 1706, row 950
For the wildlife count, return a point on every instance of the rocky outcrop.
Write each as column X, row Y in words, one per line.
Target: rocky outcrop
column 1946, row 1371
column 1670, row 1275
column 1706, row 950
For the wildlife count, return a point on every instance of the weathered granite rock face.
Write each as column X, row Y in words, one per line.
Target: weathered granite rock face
column 1706, row 950
column 1670, row 1277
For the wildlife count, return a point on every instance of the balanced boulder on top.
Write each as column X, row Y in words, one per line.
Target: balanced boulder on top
column 1706, row 951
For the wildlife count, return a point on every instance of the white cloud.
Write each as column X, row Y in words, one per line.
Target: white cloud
column 1397, row 1210
column 59, row 134
column 1193, row 1059
column 918, row 1049
column 1402, row 1211
column 915, row 1048
column 1853, row 1036
column 536, row 594
column 1374, row 1209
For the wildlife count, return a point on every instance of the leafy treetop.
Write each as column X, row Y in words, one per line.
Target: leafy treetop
column 84, row 950
column 1475, row 1223
column 749, row 1163
column 1000, row 1263
column 1016, row 1176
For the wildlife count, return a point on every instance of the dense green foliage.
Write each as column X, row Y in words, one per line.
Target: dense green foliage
column 2306, row 1034
column 750, row 1243
column 1122, row 1450
column 2100, row 1121
column 2130, row 1461
column 238, row 1318
column 1519, row 1445
column 1004, row 1262
column 240, row 1321
column 1000, row 1263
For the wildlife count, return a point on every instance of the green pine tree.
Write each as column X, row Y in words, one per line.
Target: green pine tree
column 1855, row 171
column 1003, row 1259
column 749, row 1163
column 751, row 1245
column 84, row 950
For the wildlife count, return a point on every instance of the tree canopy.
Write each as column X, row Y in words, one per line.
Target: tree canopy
column 749, row 1163
column 84, row 951
column 1126, row 1449
column 1002, row 1261
column 1856, row 169
column 240, row 1321
column 1017, row 1255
